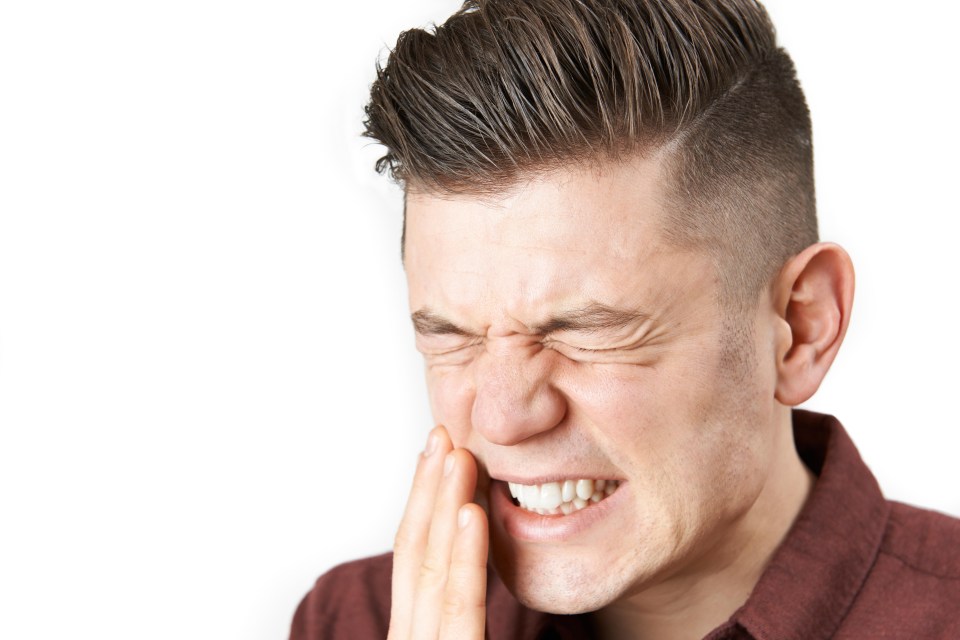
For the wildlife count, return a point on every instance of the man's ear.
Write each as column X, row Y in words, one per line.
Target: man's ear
column 813, row 296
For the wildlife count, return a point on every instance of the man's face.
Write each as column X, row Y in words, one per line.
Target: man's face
column 565, row 341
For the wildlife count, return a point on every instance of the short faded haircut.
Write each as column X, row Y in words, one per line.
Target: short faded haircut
column 506, row 89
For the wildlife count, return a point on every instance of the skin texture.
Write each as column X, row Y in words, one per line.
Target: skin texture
column 688, row 407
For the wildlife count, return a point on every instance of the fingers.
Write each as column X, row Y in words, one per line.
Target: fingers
column 411, row 539
column 440, row 552
column 456, row 489
column 464, row 604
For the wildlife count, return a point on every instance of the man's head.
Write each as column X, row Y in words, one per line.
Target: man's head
column 609, row 219
column 506, row 90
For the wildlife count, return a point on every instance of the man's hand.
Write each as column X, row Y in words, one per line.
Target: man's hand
column 440, row 553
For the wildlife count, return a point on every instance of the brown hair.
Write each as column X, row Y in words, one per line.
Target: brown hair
column 506, row 88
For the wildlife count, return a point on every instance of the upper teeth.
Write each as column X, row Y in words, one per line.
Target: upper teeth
column 561, row 497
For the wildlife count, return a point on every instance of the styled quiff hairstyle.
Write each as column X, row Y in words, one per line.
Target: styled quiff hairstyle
column 506, row 89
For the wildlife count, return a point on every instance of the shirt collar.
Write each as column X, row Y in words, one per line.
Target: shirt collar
column 819, row 568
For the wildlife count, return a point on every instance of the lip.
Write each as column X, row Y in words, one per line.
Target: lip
column 545, row 479
column 532, row 527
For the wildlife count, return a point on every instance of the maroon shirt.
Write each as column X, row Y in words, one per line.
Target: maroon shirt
column 853, row 566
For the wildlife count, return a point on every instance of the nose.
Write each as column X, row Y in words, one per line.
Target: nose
column 515, row 398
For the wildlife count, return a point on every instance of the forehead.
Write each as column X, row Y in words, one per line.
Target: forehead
column 574, row 235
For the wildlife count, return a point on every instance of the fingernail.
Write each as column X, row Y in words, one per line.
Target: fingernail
column 463, row 518
column 432, row 442
column 448, row 464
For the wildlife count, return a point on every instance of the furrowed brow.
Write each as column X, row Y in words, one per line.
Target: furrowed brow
column 428, row 323
column 590, row 319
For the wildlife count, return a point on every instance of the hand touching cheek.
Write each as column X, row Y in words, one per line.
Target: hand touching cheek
column 440, row 552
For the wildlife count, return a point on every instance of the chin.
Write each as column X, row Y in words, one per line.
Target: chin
column 560, row 586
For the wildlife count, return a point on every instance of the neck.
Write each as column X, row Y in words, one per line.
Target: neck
column 694, row 602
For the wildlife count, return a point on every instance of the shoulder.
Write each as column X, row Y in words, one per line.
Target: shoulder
column 913, row 588
column 924, row 541
column 352, row 600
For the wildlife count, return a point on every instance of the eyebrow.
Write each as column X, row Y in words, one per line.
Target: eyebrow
column 592, row 318
column 428, row 323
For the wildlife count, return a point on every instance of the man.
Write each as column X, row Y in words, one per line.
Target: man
column 618, row 289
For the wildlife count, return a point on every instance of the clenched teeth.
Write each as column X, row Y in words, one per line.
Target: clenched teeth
column 555, row 498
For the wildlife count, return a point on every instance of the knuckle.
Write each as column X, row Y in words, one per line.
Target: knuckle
column 461, row 596
column 457, row 605
column 432, row 575
column 403, row 540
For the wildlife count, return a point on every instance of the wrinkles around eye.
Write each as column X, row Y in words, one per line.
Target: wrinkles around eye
column 560, row 346
column 445, row 351
column 443, row 347
column 625, row 354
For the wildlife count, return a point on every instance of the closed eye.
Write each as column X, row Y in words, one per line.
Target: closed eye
column 625, row 354
column 551, row 343
column 585, row 350
column 438, row 350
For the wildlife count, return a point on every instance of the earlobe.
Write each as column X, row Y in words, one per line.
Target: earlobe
column 813, row 296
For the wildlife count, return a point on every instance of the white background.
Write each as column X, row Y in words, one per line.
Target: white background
column 208, row 390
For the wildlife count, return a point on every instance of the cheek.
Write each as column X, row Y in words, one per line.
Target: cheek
column 684, row 426
column 451, row 393
column 638, row 414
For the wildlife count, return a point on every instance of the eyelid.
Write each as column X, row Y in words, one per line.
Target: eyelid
column 633, row 346
column 550, row 341
column 451, row 349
